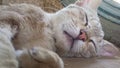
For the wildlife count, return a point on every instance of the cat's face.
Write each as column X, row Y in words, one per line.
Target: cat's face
column 79, row 32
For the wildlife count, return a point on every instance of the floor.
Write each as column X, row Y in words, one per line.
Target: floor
column 92, row 63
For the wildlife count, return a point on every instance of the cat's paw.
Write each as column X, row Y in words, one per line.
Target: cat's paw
column 46, row 56
column 38, row 58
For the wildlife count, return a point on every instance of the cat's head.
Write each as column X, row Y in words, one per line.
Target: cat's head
column 78, row 30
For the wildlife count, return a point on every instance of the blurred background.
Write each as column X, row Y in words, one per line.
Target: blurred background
column 109, row 13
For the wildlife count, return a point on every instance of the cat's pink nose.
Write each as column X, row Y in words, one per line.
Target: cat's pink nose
column 83, row 35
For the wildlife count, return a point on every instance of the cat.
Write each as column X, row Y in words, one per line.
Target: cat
column 41, row 38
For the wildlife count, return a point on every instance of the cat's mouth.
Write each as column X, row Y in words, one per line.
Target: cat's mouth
column 82, row 36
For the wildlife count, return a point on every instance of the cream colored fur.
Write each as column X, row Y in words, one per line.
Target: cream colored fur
column 40, row 36
column 7, row 52
column 39, row 58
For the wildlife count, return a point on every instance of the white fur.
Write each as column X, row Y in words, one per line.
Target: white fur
column 7, row 52
column 45, row 31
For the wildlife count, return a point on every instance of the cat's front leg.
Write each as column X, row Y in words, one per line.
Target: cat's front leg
column 39, row 58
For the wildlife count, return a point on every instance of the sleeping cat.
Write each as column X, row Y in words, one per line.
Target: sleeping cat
column 74, row 31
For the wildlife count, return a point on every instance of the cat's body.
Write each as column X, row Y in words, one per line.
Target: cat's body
column 74, row 31
column 31, row 20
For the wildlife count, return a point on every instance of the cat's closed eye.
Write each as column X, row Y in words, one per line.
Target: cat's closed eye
column 86, row 19
column 93, row 43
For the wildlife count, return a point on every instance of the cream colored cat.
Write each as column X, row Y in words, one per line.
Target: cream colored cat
column 74, row 31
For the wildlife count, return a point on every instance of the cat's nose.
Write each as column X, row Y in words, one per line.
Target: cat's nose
column 83, row 35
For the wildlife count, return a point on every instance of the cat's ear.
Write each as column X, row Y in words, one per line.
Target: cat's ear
column 82, row 2
column 94, row 4
column 108, row 49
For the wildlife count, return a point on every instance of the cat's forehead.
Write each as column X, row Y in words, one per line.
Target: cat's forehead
column 86, row 10
column 81, row 11
column 73, row 7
